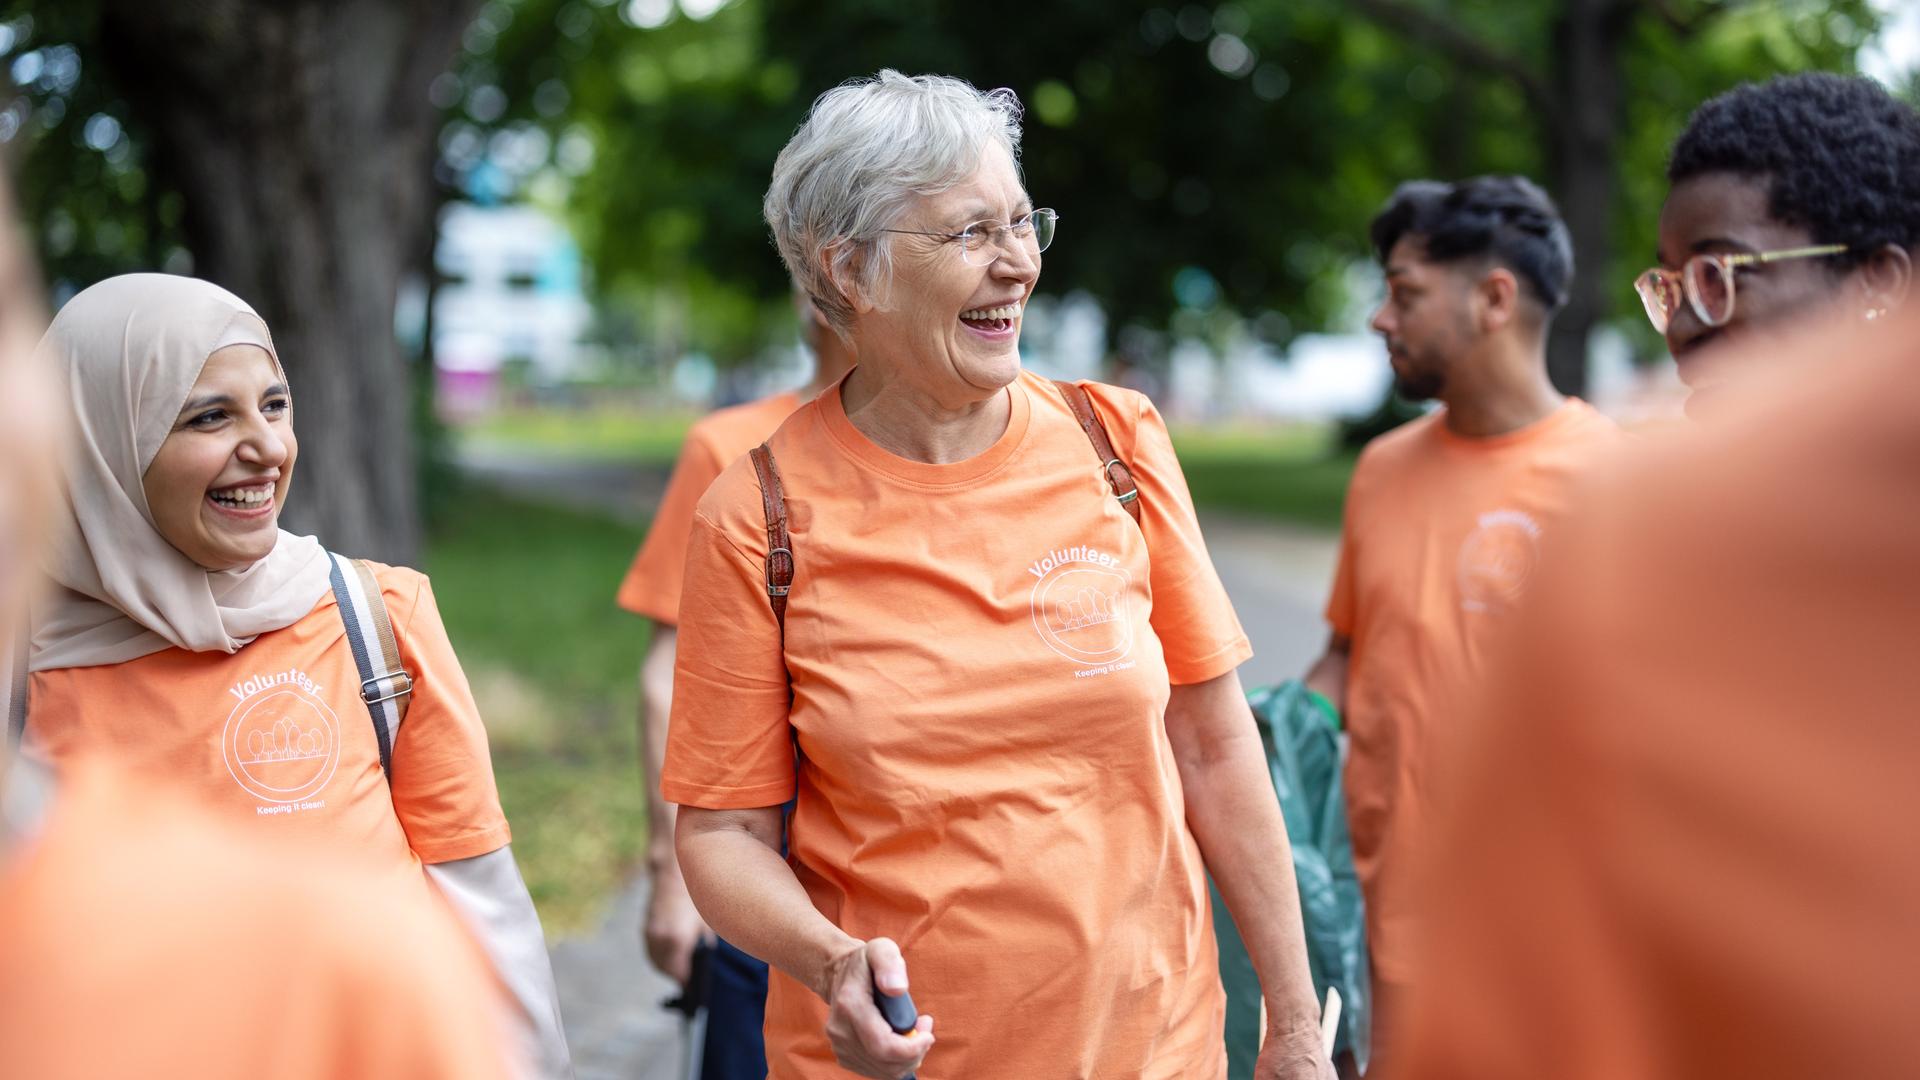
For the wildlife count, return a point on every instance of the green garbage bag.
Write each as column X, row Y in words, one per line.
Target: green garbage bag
column 1303, row 756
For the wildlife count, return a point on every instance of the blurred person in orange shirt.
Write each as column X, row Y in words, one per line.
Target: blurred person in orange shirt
column 141, row 937
column 1790, row 199
column 736, row 983
column 1445, row 517
column 1683, row 838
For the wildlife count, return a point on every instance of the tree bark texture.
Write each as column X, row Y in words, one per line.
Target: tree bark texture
column 1584, row 134
column 300, row 135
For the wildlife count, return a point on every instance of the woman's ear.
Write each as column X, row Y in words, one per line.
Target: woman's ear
column 845, row 273
column 1886, row 277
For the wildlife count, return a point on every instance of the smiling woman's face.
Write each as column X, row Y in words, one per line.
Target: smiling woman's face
column 1721, row 213
column 216, row 487
column 932, row 328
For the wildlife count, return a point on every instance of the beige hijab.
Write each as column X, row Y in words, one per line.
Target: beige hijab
column 127, row 352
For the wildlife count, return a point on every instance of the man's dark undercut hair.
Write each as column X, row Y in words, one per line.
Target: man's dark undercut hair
column 1839, row 154
column 1506, row 220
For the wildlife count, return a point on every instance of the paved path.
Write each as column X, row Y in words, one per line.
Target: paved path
column 1277, row 575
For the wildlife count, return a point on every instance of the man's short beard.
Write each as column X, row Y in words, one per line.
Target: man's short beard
column 1420, row 386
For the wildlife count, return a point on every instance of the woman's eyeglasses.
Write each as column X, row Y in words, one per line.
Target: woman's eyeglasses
column 1706, row 281
column 984, row 241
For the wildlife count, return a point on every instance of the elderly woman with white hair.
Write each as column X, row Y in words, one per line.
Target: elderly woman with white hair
column 964, row 617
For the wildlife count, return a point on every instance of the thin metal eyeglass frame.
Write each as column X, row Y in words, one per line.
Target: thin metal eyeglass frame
column 966, row 234
column 1645, row 284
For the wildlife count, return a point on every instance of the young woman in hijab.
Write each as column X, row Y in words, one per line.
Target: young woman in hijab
column 186, row 632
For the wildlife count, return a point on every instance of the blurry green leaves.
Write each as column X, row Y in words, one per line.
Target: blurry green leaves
column 644, row 78
column 1248, row 141
column 1054, row 103
column 80, row 160
column 673, row 113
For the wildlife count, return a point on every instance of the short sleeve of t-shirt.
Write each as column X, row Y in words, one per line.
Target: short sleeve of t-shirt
column 1192, row 616
column 442, row 779
column 730, row 703
column 652, row 587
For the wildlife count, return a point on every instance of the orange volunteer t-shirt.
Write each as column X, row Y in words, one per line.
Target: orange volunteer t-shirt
column 1442, row 534
column 981, row 655
column 277, row 735
column 141, row 936
column 652, row 585
column 1684, row 845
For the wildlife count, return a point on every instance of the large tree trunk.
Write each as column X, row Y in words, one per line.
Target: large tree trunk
column 1588, row 38
column 299, row 134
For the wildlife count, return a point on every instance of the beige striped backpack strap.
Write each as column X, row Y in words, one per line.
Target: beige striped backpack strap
column 384, row 685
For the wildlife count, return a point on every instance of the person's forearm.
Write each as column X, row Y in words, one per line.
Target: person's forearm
column 656, row 704
column 748, row 894
column 1236, row 820
column 1328, row 676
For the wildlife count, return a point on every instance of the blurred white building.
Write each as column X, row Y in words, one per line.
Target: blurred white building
column 510, row 293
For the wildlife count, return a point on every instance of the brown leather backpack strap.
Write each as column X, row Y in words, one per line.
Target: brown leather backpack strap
column 1117, row 472
column 773, row 500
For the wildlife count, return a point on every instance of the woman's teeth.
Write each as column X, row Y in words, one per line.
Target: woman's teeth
column 243, row 498
column 1009, row 311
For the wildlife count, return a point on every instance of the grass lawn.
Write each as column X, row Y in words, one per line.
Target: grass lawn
column 1289, row 472
column 584, row 434
column 527, row 593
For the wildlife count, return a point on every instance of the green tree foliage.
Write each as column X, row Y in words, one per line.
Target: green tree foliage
column 1212, row 162
column 1594, row 92
column 82, row 164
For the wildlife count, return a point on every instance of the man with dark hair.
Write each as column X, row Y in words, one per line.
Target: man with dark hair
column 1789, row 198
column 1445, row 516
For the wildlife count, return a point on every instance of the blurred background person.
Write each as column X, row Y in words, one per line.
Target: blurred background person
column 736, row 984
column 1683, row 844
column 139, row 936
column 1446, row 515
column 1014, row 706
column 1789, row 200
column 189, row 635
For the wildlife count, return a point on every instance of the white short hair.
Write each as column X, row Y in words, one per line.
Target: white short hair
column 867, row 149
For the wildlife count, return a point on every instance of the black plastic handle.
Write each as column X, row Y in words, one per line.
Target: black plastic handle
column 898, row 1011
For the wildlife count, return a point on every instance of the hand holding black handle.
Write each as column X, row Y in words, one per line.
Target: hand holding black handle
column 898, row 1011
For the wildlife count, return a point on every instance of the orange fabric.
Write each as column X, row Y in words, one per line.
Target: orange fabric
column 1685, row 845
column 1442, row 533
column 652, row 585
column 277, row 735
column 981, row 656
column 140, row 936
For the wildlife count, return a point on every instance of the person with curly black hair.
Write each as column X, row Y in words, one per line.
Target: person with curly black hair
column 1794, row 197
column 1445, row 516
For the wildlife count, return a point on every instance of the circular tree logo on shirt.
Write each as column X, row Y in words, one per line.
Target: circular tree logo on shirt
column 281, row 742
column 1080, row 605
column 1497, row 559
